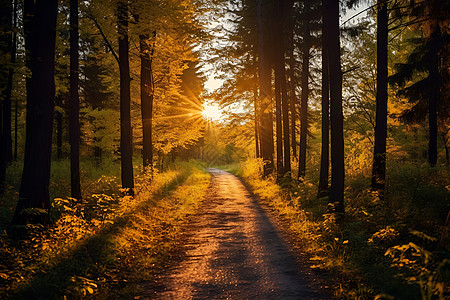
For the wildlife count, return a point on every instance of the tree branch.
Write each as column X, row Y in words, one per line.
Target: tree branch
column 104, row 37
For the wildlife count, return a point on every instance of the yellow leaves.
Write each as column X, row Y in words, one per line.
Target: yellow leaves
column 4, row 276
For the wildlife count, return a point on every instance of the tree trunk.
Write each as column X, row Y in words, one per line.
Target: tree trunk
column 284, row 97
column 305, row 93
column 40, row 34
column 267, row 148
column 379, row 154
column 5, row 88
column 293, row 101
column 336, row 116
column 325, row 152
column 126, row 149
column 278, row 122
column 256, row 115
column 59, row 126
column 147, row 100
column 74, row 104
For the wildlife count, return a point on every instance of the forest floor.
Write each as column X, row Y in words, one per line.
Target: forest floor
column 233, row 248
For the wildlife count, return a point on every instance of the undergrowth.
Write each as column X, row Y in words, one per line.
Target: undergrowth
column 105, row 245
column 398, row 249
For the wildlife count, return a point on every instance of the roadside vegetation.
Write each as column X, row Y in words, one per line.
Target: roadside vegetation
column 397, row 249
column 104, row 244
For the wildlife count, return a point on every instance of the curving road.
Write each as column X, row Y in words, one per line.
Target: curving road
column 233, row 250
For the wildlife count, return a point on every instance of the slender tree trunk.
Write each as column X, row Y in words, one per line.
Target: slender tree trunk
column 256, row 112
column 325, row 152
column 336, row 116
column 40, row 34
column 267, row 144
column 13, row 62
column 305, row 94
column 74, row 104
column 379, row 154
column 126, row 148
column 147, row 100
column 8, row 94
column 278, row 119
column 5, row 88
column 284, row 97
column 293, row 102
column 59, row 126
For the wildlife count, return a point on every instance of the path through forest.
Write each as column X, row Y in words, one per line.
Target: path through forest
column 234, row 250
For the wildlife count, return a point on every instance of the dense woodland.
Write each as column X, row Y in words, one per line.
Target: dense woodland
column 337, row 120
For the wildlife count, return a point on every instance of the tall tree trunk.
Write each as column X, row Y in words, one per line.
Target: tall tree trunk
column 267, row 144
column 126, row 148
column 325, row 152
column 8, row 94
column 278, row 118
column 305, row 94
column 40, row 34
column 284, row 97
column 5, row 88
column 59, row 126
column 256, row 114
column 147, row 100
column 336, row 116
column 379, row 154
column 293, row 101
column 74, row 104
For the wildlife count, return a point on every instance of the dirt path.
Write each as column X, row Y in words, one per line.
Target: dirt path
column 233, row 250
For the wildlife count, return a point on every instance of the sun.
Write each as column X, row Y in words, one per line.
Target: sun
column 212, row 113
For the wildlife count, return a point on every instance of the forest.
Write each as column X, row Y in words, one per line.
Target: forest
column 139, row 137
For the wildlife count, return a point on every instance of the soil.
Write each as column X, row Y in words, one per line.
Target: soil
column 234, row 249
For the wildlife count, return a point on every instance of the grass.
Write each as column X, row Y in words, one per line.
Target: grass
column 107, row 244
column 395, row 249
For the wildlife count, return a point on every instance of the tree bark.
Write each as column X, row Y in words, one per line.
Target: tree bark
column 305, row 94
column 59, row 126
column 256, row 116
column 40, row 34
column 126, row 148
column 284, row 97
column 293, row 101
column 267, row 145
column 325, row 151
column 336, row 116
column 379, row 154
column 147, row 100
column 5, row 88
column 278, row 117
column 74, row 104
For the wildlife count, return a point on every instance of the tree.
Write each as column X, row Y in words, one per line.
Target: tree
column 379, row 155
column 40, row 34
column 264, row 91
column 325, row 152
column 5, row 104
column 336, row 116
column 423, row 78
column 305, row 92
column 147, row 94
column 74, row 104
column 126, row 147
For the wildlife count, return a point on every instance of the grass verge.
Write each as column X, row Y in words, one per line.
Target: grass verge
column 100, row 247
column 390, row 250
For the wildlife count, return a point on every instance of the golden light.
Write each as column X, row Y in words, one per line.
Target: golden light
column 211, row 112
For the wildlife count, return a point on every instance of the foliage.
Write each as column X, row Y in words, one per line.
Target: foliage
column 356, row 248
column 106, row 239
